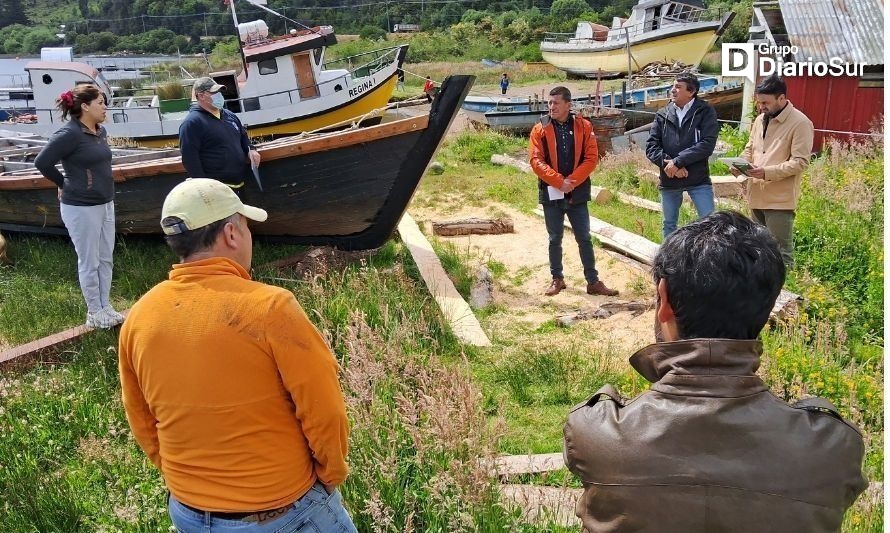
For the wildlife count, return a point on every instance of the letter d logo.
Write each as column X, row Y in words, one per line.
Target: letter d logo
column 737, row 59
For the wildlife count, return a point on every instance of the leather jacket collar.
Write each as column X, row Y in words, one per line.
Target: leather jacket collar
column 702, row 367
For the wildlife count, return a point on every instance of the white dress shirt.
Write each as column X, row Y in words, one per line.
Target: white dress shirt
column 681, row 111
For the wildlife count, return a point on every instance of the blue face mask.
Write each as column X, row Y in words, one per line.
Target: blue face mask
column 218, row 100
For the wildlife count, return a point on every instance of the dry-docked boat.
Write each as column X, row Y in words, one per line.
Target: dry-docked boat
column 285, row 87
column 347, row 188
column 657, row 30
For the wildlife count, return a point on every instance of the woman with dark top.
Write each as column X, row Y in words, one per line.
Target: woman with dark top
column 86, row 195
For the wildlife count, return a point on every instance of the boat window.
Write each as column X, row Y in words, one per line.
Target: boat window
column 47, row 79
column 268, row 66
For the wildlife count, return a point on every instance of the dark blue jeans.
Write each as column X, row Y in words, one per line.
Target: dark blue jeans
column 554, row 215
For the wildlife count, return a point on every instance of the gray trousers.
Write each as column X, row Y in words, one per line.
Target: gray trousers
column 91, row 228
column 779, row 222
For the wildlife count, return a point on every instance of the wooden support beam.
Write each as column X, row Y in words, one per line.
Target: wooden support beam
column 455, row 309
column 512, row 465
column 473, row 226
column 605, row 311
column 733, row 186
column 639, row 202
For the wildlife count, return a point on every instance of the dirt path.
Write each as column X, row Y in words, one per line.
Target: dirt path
column 520, row 290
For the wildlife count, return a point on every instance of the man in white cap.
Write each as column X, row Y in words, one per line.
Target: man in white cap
column 212, row 140
column 228, row 387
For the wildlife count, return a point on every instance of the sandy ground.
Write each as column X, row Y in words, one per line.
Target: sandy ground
column 520, row 292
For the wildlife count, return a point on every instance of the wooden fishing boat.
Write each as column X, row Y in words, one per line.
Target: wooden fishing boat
column 286, row 86
column 346, row 189
column 657, row 30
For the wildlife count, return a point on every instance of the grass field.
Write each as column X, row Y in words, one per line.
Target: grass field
column 423, row 408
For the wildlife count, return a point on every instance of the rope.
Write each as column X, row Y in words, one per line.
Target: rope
column 437, row 82
column 353, row 124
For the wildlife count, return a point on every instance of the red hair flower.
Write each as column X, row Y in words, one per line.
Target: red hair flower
column 68, row 98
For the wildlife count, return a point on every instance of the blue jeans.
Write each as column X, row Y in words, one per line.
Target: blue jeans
column 554, row 215
column 315, row 511
column 702, row 197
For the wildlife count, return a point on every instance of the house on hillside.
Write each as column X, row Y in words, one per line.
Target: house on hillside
column 405, row 28
column 808, row 33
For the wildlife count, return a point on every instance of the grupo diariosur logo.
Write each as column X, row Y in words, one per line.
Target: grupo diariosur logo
column 750, row 61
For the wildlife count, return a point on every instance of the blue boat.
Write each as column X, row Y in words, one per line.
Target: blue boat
column 483, row 104
column 519, row 114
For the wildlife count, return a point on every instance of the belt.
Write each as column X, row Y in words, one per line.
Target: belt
column 249, row 516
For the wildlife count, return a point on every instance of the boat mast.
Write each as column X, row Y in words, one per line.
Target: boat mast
column 238, row 38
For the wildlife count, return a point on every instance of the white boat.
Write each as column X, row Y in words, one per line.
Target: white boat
column 285, row 87
column 657, row 30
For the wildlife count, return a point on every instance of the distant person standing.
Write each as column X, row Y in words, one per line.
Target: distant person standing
column 681, row 140
column 779, row 147
column 563, row 153
column 212, row 140
column 505, row 82
column 429, row 88
column 86, row 195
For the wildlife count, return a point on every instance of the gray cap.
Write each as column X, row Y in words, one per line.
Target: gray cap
column 206, row 85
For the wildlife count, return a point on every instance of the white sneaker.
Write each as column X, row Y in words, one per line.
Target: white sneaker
column 103, row 320
column 113, row 315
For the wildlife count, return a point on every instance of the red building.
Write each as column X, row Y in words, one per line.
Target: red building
column 847, row 32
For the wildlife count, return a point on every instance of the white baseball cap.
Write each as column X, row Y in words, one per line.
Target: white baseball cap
column 198, row 202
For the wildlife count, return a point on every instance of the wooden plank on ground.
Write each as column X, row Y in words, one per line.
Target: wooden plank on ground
column 733, row 186
column 636, row 308
column 541, row 505
column 46, row 345
column 512, row 465
column 455, row 309
column 619, row 239
column 473, row 226
column 639, row 202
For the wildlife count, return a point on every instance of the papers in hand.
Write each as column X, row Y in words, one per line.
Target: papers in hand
column 743, row 165
column 555, row 194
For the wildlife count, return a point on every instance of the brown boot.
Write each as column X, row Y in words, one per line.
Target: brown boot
column 598, row 287
column 556, row 285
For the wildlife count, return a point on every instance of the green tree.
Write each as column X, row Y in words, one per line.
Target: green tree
column 564, row 10
column 12, row 12
column 39, row 37
column 372, row 33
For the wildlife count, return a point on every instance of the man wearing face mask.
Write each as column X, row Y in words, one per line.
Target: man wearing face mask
column 213, row 142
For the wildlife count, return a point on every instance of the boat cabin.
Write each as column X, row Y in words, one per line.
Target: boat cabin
column 646, row 16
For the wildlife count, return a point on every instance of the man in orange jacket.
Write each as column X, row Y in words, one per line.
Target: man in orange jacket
column 563, row 152
column 228, row 387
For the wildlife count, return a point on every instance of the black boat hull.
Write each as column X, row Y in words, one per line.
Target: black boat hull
column 346, row 189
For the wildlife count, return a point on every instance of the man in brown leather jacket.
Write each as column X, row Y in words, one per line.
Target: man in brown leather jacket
column 708, row 447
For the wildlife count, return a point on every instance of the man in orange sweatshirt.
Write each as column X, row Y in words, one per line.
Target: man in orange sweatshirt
column 562, row 152
column 228, row 387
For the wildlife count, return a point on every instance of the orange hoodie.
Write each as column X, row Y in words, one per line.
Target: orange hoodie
column 231, row 391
